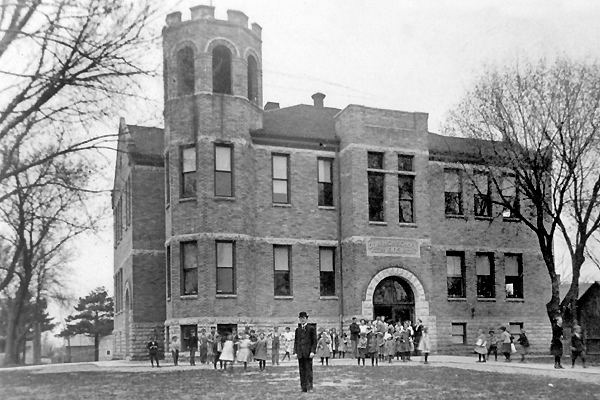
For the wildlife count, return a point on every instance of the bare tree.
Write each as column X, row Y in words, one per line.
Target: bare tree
column 541, row 126
column 42, row 219
column 66, row 64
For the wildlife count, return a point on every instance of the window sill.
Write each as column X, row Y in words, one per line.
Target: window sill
column 407, row 224
column 486, row 299
column 511, row 219
column 455, row 216
column 226, row 296
column 188, row 296
column 223, row 198
column 381, row 223
column 483, row 218
column 187, row 199
column 326, row 207
column 167, row 206
column 328, row 298
column 283, row 205
column 459, row 299
column 516, row 300
column 284, row 297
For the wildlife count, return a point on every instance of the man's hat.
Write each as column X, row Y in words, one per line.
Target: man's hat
column 303, row 314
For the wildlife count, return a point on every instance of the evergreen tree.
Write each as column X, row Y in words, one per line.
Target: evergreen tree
column 94, row 318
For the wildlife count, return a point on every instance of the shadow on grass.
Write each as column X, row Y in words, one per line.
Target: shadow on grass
column 334, row 382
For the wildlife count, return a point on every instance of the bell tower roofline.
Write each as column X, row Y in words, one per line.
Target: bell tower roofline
column 207, row 13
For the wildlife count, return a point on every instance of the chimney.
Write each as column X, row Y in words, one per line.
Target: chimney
column 203, row 12
column 271, row 106
column 318, row 99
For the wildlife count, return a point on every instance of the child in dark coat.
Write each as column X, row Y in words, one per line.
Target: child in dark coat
column 577, row 346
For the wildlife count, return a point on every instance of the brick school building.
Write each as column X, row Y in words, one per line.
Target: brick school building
column 237, row 214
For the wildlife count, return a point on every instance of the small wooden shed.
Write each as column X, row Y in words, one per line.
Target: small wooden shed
column 588, row 313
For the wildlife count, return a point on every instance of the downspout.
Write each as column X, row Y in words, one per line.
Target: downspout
column 339, row 234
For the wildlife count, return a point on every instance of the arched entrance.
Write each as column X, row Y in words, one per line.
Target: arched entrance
column 394, row 299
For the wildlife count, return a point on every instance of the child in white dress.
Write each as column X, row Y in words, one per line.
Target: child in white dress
column 227, row 352
column 244, row 354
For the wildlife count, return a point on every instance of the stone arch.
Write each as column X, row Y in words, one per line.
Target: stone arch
column 183, row 44
column 251, row 52
column 219, row 41
column 421, row 303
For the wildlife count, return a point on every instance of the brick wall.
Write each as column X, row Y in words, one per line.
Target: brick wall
column 255, row 224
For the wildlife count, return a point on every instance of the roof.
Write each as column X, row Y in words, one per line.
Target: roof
column 452, row 149
column 146, row 140
column 583, row 287
column 301, row 121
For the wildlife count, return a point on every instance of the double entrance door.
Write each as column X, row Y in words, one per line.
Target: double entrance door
column 393, row 299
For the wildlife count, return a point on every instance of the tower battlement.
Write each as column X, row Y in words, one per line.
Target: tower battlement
column 203, row 12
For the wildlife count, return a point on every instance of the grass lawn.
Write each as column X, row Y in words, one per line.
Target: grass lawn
column 334, row 382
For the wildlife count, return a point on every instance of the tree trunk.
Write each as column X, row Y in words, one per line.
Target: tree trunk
column 12, row 343
column 96, row 347
column 37, row 343
column 569, row 303
column 24, row 346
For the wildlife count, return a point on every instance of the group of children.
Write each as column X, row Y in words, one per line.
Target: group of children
column 372, row 342
column 244, row 347
column 379, row 346
column 487, row 345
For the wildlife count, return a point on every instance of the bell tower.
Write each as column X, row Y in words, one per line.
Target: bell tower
column 213, row 100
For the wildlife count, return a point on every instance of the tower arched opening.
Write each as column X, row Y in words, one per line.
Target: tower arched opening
column 221, row 69
column 185, row 71
column 252, row 79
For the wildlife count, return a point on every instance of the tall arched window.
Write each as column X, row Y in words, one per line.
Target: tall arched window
column 221, row 69
column 185, row 71
column 252, row 79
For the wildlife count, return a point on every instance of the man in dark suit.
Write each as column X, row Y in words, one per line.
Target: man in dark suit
column 153, row 351
column 305, row 345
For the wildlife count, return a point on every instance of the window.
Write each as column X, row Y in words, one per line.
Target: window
column 281, row 179
column 167, row 179
column 188, row 172
column 406, row 185
column 189, row 266
column 225, row 267
column 281, row 262
column 119, row 291
column 119, row 219
column 168, row 268
column 127, row 202
column 221, row 69
column 253, row 80
column 509, row 194
column 405, row 163
column 482, row 198
column 452, row 192
column 325, row 182
column 513, row 276
column 514, row 328
column 223, row 170
column 376, row 187
column 185, row 71
column 459, row 333
column 484, row 265
column 327, row 268
column 456, row 274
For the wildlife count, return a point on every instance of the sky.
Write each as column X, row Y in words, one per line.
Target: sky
column 396, row 54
